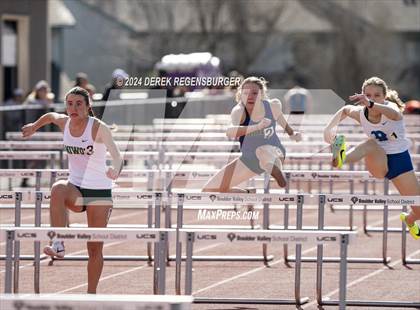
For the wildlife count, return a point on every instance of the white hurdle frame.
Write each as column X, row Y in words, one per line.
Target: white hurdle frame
column 149, row 198
column 297, row 237
column 213, row 199
column 182, row 175
column 37, row 234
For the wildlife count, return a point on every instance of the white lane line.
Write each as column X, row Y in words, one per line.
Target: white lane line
column 69, row 254
column 114, row 275
column 244, row 274
column 361, row 279
column 103, row 278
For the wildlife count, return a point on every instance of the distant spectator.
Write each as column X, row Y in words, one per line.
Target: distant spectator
column 118, row 78
column 297, row 100
column 14, row 119
column 112, row 89
column 91, row 90
column 81, row 80
column 40, row 95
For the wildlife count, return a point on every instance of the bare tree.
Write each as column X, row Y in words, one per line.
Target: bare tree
column 357, row 43
column 247, row 43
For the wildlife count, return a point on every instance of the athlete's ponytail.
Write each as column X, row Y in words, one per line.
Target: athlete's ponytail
column 91, row 113
column 392, row 96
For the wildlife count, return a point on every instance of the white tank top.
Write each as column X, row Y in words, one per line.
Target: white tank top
column 87, row 159
column 389, row 134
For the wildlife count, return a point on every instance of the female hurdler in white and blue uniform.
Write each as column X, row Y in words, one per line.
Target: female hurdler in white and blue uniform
column 254, row 121
column 386, row 152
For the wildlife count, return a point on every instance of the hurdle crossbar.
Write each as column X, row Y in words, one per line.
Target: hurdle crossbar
column 192, row 237
column 16, row 234
column 102, row 301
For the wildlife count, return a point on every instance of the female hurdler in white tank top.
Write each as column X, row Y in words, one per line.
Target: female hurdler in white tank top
column 87, row 159
column 388, row 133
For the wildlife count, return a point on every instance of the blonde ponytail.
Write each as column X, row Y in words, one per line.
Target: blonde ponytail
column 392, row 95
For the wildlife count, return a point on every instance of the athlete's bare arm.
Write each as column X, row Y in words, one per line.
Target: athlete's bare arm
column 276, row 109
column 391, row 110
column 57, row 119
column 347, row 111
column 235, row 130
column 104, row 135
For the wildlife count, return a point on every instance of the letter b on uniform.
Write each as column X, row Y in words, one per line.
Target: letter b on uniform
column 379, row 135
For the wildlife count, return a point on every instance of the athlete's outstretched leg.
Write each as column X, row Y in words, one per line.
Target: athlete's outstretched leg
column 228, row 177
column 375, row 157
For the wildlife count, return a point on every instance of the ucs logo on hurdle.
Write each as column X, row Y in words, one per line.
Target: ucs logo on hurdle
column 206, row 237
column 26, row 235
column 231, row 236
column 6, row 196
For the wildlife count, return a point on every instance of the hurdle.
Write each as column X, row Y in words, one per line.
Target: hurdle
column 101, row 301
column 214, row 199
column 132, row 198
column 192, row 132
column 50, row 156
column 361, row 200
column 297, row 237
column 36, row 234
column 167, row 158
column 55, row 136
column 179, row 146
column 312, row 121
column 194, row 175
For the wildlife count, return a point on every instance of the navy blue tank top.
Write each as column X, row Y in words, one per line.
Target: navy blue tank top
column 266, row 136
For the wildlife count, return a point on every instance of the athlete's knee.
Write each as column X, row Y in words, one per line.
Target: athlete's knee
column 58, row 187
column 221, row 189
column 224, row 189
column 416, row 212
column 378, row 174
column 95, row 249
column 58, row 190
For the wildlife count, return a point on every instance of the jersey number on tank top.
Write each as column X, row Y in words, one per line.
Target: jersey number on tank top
column 268, row 132
column 381, row 136
column 79, row 150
